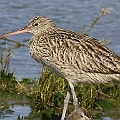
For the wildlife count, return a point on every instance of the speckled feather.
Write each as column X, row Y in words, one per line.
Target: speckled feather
column 73, row 56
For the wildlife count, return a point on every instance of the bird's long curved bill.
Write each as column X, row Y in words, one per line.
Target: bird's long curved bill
column 19, row 31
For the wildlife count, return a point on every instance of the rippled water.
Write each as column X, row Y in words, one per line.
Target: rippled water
column 18, row 111
column 68, row 14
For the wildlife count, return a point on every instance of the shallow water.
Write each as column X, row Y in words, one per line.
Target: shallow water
column 16, row 111
column 69, row 14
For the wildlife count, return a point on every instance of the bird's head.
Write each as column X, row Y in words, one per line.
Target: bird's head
column 36, row 26
column 40, row 24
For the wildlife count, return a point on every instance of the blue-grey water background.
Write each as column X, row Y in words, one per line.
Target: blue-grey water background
column 74, row 15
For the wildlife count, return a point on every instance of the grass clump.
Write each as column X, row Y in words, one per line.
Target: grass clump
column 5, row 76
column 49, row 95
column 10, row 88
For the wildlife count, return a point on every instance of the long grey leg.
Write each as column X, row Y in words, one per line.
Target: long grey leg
column 75, row 100
column 66, row 103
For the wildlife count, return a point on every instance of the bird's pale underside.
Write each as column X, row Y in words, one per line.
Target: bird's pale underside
column 73, row 56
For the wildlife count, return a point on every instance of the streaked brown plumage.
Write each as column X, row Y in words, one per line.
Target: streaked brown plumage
column 79, row 114
column 74, row 57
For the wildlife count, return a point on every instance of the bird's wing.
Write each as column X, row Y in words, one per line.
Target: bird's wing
column 87, row 54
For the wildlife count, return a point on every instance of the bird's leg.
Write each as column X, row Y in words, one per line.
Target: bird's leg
column 66, row 103
column 75, row 100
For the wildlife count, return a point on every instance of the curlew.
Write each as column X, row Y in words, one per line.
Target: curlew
column 73, row 56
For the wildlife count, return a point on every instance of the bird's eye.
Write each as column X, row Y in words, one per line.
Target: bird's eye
column 36, row 24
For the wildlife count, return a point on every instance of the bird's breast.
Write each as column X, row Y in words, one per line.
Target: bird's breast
column 40, row 50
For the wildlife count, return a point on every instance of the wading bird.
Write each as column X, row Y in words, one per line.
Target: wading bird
column 73, row 56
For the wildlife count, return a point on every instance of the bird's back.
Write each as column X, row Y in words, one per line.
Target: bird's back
column 75, row 57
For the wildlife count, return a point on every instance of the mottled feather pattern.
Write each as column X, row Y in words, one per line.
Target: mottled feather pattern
column 74, row 56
